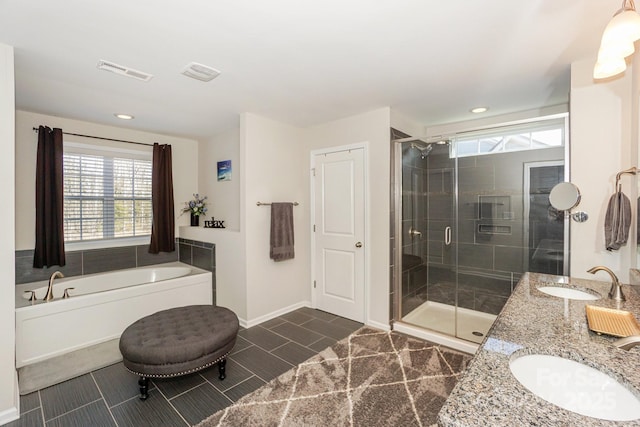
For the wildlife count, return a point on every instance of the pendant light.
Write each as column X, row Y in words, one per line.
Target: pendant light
column 617, row 41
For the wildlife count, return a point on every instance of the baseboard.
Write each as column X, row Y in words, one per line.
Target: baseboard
column 378, row 325
column 13, row 413
column 273, row 314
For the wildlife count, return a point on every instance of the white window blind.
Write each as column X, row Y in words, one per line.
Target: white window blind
column 107, row 195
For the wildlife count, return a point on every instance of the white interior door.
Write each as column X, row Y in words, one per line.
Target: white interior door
column 339, row 233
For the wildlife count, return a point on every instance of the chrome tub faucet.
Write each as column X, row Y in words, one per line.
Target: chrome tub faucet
column 49, row 295
column 615, row 292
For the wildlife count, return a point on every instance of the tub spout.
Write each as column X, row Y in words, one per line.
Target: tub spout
column 615, row 292
column 49, row 295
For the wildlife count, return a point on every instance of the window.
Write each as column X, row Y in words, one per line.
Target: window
column 107, row 193
column 534, row 135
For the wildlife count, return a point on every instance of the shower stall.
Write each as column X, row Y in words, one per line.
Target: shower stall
column 470, row 215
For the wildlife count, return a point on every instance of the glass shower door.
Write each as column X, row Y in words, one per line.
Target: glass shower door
column 428, row 296
column 471, row 216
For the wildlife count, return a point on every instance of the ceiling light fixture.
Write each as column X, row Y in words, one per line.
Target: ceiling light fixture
column 479, row 110
column 123, row 116
column 617, row 41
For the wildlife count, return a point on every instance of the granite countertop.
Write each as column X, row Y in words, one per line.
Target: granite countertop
column 533, row 322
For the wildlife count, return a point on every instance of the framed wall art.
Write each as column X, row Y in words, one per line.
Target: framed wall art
column 224, row 170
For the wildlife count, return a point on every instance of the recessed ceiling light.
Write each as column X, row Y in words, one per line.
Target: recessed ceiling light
column 123, row 116
column 479, row 109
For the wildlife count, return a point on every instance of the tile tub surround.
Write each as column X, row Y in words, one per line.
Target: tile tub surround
column 535, row 323
column 199, row 254
column 192, row 252
column 91, row 261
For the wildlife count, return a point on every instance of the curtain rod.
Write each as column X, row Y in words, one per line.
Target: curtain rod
column 99, row 137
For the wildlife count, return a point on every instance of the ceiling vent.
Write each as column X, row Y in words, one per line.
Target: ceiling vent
column 124, row 71
column 200, row 72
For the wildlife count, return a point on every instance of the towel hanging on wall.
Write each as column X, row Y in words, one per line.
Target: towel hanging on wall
column 617, row 221
column 282, row 239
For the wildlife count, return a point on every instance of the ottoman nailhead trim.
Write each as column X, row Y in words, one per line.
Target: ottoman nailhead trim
column 177, row 374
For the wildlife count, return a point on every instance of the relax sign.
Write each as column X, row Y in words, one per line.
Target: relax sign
column 214, row 223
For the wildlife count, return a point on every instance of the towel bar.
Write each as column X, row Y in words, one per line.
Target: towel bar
column 268, row 204
column 631, row 171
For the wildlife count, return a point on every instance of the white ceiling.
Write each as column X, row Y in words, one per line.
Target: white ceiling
column 301, row 62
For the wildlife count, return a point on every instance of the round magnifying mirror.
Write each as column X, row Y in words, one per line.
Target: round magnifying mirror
column 564, row 196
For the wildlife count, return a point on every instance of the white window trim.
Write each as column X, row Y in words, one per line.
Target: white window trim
column 107, row 243
column 82, row 148
column 91, row 149
column 499, row 129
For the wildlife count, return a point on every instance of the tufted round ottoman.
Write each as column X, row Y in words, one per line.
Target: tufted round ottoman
column 178, row 341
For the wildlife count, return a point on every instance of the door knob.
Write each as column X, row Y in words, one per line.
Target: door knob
column 359, row 245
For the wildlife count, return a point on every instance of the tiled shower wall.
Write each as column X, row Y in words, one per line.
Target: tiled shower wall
column 192, row 252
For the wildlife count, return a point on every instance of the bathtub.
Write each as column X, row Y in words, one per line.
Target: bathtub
column 100, row 307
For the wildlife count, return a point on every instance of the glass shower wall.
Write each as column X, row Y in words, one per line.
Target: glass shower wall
column 504, row 227
column 470, row 226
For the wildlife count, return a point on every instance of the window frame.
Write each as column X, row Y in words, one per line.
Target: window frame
column 79, row 148
column 510, row 130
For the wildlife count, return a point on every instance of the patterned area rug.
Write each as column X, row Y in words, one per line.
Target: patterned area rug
column 371, row 378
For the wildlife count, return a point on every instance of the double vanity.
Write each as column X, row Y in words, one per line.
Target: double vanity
column 541, row 350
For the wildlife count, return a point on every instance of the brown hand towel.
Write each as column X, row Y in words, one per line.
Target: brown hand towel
column 617, row 221
column 281, row 247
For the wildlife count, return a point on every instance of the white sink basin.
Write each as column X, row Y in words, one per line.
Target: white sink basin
column 575, row 387
column 569, row 293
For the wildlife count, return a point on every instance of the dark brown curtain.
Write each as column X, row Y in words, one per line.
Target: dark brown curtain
column 163, row 225
column 49, row 200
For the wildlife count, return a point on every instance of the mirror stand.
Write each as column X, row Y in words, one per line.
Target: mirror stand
column 565, row 196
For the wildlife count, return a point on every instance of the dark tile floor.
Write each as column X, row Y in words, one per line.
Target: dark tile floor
column 109, row 396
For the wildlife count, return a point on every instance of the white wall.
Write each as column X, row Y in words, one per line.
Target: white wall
column 8, row 380
column 635, row 146
column 601, row 146
column 372, row 127
column 184, row 154
column 276, row 169
column 450, row 128
column 406, row 124
column 273, row 165
column 223, row 204
column 223, row 196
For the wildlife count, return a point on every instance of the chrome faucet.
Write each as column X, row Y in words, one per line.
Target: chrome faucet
column 49, row 295
column 616, row 288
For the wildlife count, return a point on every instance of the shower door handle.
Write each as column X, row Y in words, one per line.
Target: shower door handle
column 415, row 233
column 447, row 235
